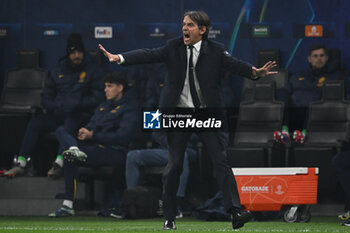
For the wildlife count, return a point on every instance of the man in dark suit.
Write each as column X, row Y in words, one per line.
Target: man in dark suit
column 195, row 68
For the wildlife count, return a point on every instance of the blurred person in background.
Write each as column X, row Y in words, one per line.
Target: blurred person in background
column 71, row 93
column 103, row 141
column 302, row 89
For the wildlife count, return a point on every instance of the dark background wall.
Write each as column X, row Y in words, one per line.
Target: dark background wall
column 133, row 21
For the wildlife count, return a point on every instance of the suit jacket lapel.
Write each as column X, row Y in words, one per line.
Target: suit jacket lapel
column 183, row 62
column 203, row 50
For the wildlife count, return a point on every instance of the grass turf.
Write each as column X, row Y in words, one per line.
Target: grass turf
column 96, row 224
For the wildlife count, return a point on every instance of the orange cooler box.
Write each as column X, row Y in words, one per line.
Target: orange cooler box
column 268, row 189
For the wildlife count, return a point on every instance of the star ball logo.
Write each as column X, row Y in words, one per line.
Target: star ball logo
column 152, row 120
column 182, row 120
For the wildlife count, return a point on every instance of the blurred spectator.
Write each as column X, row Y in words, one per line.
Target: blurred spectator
column 154, row 85
column 148, row 81
column 146, row 78
column 341, row 164
column 136, row 159
column 71, row 93
column 304, row 88
column 103, row 141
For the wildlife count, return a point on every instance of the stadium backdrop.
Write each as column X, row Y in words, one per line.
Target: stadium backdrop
column 279, row 24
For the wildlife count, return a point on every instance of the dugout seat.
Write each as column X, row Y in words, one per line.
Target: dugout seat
column 96, row 56
column 258, row 118
column 28, row 58
column 327, row 134
column 20, row 98
column 280, row 79
column 22, row 90
column 265, row 55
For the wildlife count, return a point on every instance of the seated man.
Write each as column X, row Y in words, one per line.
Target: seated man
column 136, row 159
column 103, row 141
column 302, row 89
column 341, row 164
column 71, row 93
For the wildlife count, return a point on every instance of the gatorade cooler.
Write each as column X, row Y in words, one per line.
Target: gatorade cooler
column 291, row 189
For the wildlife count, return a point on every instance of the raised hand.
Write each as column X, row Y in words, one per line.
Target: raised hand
column 111, row 57
column 265, row 70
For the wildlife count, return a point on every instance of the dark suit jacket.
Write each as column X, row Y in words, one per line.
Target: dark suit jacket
column 213, row 60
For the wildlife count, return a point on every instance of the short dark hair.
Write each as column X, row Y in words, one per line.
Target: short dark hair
column 119, row 78
column 316, row 47
column 202, row 19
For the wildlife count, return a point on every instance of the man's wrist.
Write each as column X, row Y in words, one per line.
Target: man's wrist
column 121, row 59
column 90, row 134
column 254, row 74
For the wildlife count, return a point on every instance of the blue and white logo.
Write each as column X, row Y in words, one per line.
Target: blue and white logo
column 51, row 33
column 151, row 120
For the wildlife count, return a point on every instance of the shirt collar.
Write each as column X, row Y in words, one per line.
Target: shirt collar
column 197, row 45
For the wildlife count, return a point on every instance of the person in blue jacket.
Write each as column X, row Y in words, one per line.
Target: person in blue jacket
column 302, row 89
column 71, row 93
column 103, row 141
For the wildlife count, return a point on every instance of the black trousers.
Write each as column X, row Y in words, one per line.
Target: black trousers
column 341, row 164
column 177, row 143
column 97, row 156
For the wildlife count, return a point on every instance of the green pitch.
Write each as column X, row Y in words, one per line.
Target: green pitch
column 97, row 224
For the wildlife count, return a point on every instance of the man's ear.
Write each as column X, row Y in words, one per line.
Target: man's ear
column 202, row 30
column 121, row 87
column 309, row 59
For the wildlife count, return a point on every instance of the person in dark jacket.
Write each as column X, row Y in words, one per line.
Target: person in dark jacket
column 158, row 156
column 71, row 93
column 195, row 69
column 302, row 89
column 103, row 141
column 341, row 165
